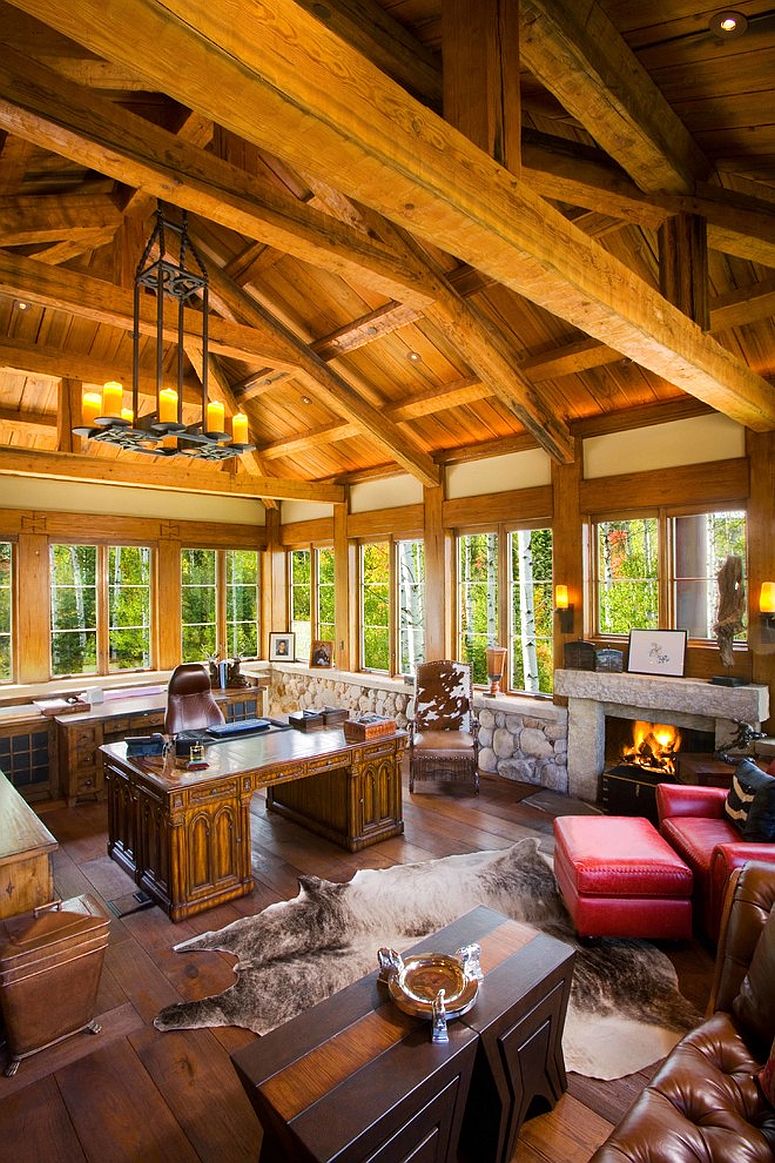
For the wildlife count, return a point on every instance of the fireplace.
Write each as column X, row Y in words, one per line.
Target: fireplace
column 653, row 746
column 640, row 754
column 689, row 704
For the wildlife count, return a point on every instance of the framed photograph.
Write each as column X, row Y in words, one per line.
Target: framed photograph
column 322, row 653
column 282, row 647
column 657, row 652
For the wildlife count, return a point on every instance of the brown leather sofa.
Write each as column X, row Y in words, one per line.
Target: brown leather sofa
column 704, row 1101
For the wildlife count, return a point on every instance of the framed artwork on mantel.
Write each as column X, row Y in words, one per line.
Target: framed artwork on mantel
column 657, row 652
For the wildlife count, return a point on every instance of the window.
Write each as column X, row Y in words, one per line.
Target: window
column 242, row 603
column 701, row 544
column 410, row 561
column 531, row 610
column 660, row 570
column 199, row 591
column 220, row 603
column 312, row 597
column 477, row 588
column 100, row 608
column 504, row 588
column 129, row 607
column 392, row 604
column 627, row 584
column 375, row 605
column 6, row 591
column 300, row 584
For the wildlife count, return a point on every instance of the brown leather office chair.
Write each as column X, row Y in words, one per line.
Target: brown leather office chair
column 190, row 702
column 443, row 735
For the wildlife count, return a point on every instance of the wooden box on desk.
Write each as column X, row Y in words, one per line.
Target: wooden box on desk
column 367, row 727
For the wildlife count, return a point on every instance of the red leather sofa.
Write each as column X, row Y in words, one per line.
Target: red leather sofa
column 692, row 821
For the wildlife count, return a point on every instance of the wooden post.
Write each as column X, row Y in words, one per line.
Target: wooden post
column 761, row 554
column 168, row 599
column 567, row 543
column 68, row 414
column 683, row 265
column 344, row 588
column 480, row 51
column 33, row 617
column 439, row 592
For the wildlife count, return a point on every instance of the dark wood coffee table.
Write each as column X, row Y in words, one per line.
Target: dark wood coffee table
column 354, row 1078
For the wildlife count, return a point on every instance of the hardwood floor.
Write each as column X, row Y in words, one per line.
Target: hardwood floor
column 134, row 1094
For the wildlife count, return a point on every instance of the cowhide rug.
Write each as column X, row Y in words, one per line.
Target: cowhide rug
column 625, row 1010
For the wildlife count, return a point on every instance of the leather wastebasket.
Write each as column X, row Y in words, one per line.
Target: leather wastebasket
column 50, row 966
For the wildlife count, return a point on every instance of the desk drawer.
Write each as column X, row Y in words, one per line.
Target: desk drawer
column 205, row 795
column 327, row 763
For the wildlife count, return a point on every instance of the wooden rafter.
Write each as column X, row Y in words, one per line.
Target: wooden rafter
column 290, row 86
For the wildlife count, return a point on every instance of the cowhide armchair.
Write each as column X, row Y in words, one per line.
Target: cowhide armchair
column 444, row 734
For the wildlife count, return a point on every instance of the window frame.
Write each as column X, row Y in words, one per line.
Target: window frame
column 102, row 606
column 665, row 516
column 13, row 612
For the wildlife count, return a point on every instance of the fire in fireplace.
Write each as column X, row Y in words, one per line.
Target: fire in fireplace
column 654, row 746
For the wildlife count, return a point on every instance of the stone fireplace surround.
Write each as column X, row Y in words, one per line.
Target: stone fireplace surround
column 684, row 702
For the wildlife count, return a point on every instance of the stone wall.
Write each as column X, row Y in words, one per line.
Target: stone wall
column 521, row 738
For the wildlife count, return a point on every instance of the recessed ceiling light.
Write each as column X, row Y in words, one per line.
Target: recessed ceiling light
column 727, row 25
column 306, row 400
column 414, row 356
column 22, row 306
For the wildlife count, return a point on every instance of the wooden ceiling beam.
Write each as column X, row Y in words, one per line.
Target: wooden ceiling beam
column 582, row 59
column 189, row 477
column 90, row 298
column 59, row 116
column 290, row 86
column 738, row 223
column 28, row 421
column 57, row 363
column 54, row 217
column 327, row 385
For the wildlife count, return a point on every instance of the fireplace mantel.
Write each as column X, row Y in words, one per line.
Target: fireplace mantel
column 594, row 694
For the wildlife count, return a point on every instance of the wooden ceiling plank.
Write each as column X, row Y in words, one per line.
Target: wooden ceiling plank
column 32, row 421
column 283, row 81
column 78, row 124
column 188, row 478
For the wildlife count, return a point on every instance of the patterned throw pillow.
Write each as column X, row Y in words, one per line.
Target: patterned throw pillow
column 766, row 1077
column 750, row 803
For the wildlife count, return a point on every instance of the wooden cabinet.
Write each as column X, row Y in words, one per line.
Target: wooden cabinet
column 28, row 755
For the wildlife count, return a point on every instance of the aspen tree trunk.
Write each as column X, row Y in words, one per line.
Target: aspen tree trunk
column 527, row 627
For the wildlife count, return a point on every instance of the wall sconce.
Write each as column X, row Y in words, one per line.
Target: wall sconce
column 564, row 609
column 767, row 607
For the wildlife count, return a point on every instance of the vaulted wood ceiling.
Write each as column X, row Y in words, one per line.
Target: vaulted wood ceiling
column 435, row 229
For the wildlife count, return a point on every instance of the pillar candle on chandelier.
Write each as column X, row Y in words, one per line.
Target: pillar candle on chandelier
column 112, row 398
column 91, row 408
column 239, row 428
column 215, row 416
column 168, row 406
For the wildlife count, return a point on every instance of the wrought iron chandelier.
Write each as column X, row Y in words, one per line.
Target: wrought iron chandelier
column 162, row 432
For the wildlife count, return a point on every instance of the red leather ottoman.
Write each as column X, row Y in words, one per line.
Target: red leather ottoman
column 619, row 878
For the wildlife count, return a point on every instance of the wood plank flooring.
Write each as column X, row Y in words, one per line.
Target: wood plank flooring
column 132, row 1094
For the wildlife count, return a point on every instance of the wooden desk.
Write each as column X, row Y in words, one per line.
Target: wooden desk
column 354, row 1078
column 26, row 872
column 82, row 735
column 185, row 835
